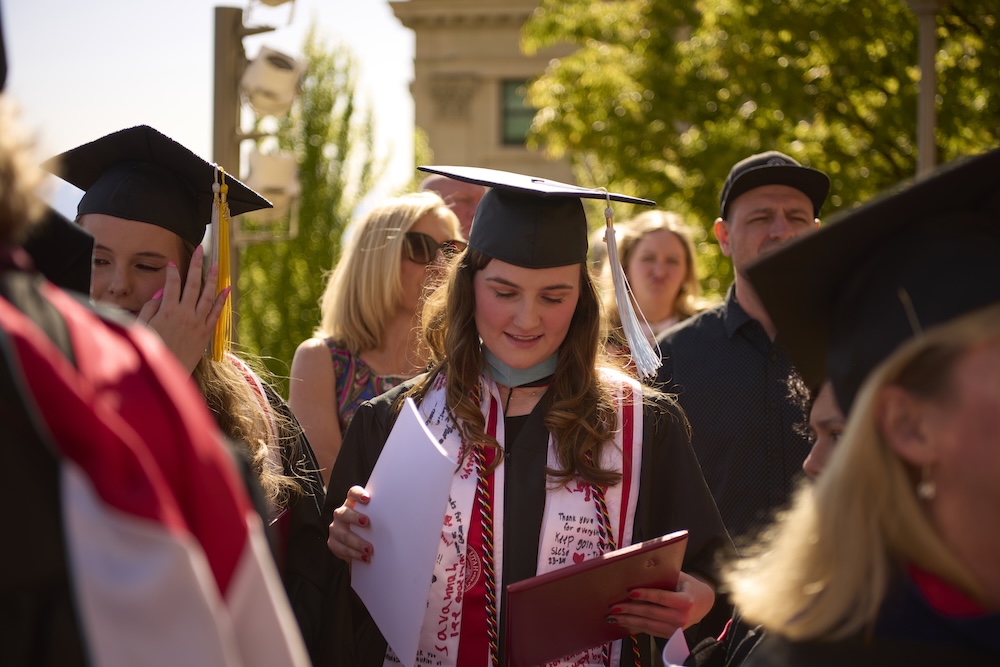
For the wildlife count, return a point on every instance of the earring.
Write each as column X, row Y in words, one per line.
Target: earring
column 926, row 489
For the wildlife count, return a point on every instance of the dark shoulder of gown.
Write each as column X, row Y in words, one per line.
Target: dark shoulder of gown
column 338, row 630
column 298, row 535
column 39, row 625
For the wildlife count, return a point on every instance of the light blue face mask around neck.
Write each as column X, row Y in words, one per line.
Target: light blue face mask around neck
column 516, row 377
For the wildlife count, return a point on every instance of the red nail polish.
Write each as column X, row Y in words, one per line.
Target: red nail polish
column 634, row 595
column 616, row 610
column 362, row 521
column 365, row 558
column 368, row 550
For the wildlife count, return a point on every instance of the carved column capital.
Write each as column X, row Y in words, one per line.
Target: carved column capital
column 452, row 93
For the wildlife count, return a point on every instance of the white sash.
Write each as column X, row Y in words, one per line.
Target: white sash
column 569, row 520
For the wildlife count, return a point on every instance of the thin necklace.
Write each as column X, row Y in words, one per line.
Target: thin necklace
column 510, row 392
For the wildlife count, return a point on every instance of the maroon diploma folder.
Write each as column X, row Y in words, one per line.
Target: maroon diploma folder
column 560, row 613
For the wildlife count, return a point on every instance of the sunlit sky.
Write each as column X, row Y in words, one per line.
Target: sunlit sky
column 80, row 69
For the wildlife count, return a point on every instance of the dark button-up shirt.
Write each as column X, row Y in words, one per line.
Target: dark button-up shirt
column 733, row 383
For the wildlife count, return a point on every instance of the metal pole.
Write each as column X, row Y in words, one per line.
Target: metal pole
column 926, row 12
column 230, row 60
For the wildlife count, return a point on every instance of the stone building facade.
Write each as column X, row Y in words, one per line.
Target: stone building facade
column 468, row 85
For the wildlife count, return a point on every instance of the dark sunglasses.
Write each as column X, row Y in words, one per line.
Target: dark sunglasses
column 423, row 249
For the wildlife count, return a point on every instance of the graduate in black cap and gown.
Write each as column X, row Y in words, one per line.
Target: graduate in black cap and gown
column 891, row 556
column 129, row 538
column 544, row 435
column 148, row 202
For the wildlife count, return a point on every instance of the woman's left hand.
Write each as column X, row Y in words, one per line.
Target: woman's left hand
column 659, row 612
column 185, row 317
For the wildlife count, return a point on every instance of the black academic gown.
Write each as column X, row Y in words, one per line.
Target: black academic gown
column 908, row 631
column 673, row 496
column 39, row 625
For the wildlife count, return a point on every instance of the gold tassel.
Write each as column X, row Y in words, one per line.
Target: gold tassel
column 222, row 341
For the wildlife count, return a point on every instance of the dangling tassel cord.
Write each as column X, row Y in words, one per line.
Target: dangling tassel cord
column 645, row 357
column 222, row 341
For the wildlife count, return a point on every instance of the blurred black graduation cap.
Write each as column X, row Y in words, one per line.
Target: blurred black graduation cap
column 527, row 221
column 141, row 174
column 842, row 299
column 62, row 251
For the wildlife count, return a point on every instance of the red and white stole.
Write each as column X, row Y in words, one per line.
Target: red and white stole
column 570, row 524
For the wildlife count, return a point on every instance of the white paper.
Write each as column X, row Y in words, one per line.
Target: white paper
column 676, row 651
column 409, row 489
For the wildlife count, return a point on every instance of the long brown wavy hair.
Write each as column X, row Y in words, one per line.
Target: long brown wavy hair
column 240, row 416
column 582, row 417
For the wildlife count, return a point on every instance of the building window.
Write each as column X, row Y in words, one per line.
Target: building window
column 516, row 113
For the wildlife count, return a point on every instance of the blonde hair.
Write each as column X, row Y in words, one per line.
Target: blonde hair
column 629, row 233
column 20, row 177
column 822, row 570
column 365, row 288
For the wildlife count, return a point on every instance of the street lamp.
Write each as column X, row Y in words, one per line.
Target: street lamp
column 275, row 176
column 271, row 82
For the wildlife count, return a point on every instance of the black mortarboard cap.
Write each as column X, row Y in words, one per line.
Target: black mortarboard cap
column 527, row 221
column 844, row 298
column 142, row 174
column 62, row 251
column 773, row 168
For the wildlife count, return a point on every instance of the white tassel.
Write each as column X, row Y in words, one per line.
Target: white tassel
column 645, row 356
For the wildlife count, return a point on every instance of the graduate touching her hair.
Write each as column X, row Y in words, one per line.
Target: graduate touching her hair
column 147, row 202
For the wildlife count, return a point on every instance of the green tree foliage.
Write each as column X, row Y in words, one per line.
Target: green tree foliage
column 281, row 282
column 661, row 98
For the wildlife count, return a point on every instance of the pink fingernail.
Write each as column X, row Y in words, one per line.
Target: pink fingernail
column 226, row 291
column 171, row 264
column 158, row 295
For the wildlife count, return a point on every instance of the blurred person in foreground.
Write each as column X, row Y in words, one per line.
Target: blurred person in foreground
column 891, row 556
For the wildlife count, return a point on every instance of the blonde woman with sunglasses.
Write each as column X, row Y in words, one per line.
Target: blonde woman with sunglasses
column 368, row 338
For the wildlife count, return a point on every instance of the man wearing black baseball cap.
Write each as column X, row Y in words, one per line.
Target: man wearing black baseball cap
column 730, row 375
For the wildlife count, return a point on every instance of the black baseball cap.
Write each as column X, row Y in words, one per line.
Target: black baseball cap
column 528, row 221
column 142, row 174
column 773, row 168
column 845, row 297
